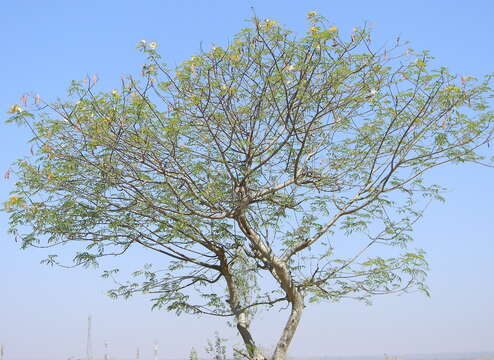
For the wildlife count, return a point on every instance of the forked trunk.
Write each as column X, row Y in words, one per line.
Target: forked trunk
column 291, row 325
column 253, row 351
column 281, row 272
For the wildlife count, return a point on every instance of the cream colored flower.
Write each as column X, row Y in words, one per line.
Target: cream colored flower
column 465, row 79
column 14, row 200
column 153, row 45
column 270, row 23
column 114, row 92
column 15, row 109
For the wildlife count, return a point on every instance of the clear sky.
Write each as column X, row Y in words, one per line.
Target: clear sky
column 43, row 310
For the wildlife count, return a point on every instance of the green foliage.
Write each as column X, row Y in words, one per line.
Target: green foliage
column 217, row 348
column 193, row 355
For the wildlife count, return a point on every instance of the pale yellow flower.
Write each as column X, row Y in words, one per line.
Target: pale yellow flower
column 270, row 23
column 153, row 45
column 451, row 88
column 332, row 29
column 15, row 109
column 311, row 14
column 13, row 200
column 465, row 79
column 314, row 29
column 114, row 92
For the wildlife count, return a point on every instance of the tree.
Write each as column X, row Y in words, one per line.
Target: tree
column 193, row 355
column 300, row 159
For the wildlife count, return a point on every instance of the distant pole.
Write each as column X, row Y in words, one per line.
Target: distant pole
column 138, row 354
column 155, row 350
column 1, row 352
column 107, row 355
column 89, row 346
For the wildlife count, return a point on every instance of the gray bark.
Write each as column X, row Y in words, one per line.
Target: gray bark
column 291, row 325
column 281, row 273
column 241, row 319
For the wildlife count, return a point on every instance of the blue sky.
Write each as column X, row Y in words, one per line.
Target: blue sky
column 43, row 310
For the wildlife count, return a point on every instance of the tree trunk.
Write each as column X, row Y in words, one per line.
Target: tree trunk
column 291, row 325
column 281, row 273
column 253, row 352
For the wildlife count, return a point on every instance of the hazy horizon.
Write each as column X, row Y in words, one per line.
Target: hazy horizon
column 43, row 310
column 486, row 355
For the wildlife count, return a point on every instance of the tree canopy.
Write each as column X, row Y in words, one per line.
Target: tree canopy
column 298, row 159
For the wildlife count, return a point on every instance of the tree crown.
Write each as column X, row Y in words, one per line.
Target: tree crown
column 265, row 156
